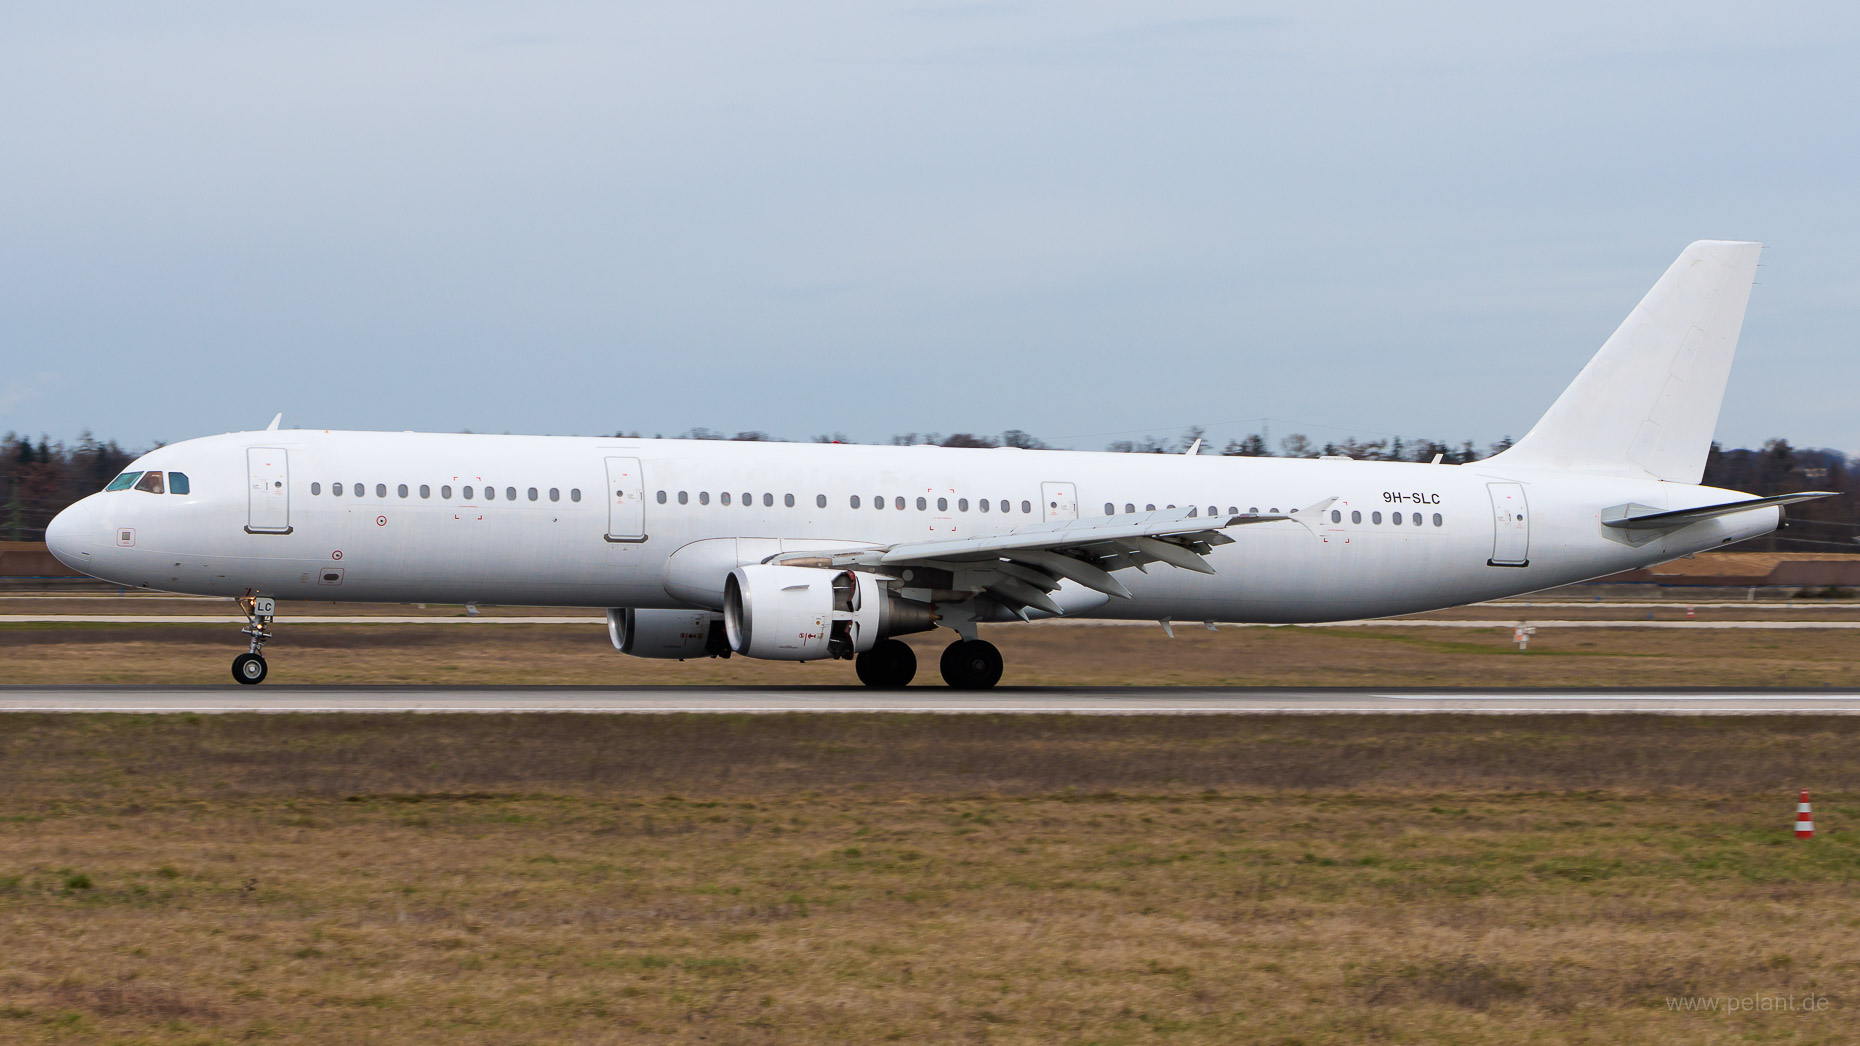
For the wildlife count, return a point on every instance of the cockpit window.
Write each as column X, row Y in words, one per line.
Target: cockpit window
column 150, row 482
column 124, row 481
column 177, row 483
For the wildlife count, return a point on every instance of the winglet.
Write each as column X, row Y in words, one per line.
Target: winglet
column 275, row 418
column 1194, row 448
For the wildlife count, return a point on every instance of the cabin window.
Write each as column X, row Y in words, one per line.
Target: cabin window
column 381, row 490
column 983, row 504
column 878, row 502
column 661, row 497
column 532, row 493
column 748, row 499
column 723, row 498
column 788, row 500
column 510, row 493
column 1129, row 507
column 1193, row 510
column 335, row 490
column 574, row 493
column 426, row 491
column 1110, row 509
column 962, row 504
column 467, row 493
column 1152, row 508
column 942, row 504
column 1026, row 507
column 684, row 497
column 703, row 497
column 124, row 481
column 899, row 503
column 768, row 501
column 360, row 490
column 1232, row 511
column 1374, row 517
column 1356, row 516
column 820, row 501
column 555, row 493
column 1253, row 510
column 1417, row 519
column 922, row 504
column 1214, row 510
column 402, row 491
column 1437, row 520
column 1336, row 516
column 316, row 488
column 1395, row 518
column 446, row 492
column 150, row 483
column 490, row 494
column 854, row 501
column 1275, row 511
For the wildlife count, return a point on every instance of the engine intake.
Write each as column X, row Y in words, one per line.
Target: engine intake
column 786, row 613
column 670, row 634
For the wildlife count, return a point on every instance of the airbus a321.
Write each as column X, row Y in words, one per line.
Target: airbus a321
column 808, row 552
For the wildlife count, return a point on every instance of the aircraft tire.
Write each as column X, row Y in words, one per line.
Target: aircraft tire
column 971, row 664
column 890, row 664
column 249, row 669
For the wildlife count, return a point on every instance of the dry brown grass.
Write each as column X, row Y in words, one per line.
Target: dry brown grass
column 1043, row 655
column 525, row 879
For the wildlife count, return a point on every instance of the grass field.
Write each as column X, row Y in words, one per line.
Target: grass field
column 1036, row 655
column 859, row 879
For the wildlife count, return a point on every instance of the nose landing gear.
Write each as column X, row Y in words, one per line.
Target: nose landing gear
column 250, row 668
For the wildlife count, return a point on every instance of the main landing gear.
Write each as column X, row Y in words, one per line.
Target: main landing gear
column 250, row 668
column 971, row 664
column 967, row 664
column 890, row 664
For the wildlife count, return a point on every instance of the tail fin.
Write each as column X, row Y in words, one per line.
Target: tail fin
column 1648, row 402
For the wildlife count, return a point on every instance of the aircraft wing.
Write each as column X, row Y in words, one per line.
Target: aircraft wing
column 1021, row 566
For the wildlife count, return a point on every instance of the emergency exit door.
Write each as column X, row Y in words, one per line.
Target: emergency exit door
column 268, row 491
column 1511, row 521
column 1059, row 501
column 626, row 500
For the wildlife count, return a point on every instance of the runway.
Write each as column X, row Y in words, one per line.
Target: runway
column 917, row 700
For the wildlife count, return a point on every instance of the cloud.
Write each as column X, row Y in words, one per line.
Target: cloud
column 27, row 389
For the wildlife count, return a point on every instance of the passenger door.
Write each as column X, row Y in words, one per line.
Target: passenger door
column 268, row 491
column 1059, row 501
column 626, row 500
column 1511, row 538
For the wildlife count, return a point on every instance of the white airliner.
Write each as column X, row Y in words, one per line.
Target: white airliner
column 803, row 552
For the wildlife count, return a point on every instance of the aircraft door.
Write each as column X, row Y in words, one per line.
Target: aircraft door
column 1511, row 541
column 1059, row 501
column 626, row 500
column 268, row 490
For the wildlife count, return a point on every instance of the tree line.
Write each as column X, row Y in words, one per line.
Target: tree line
column 38, row 479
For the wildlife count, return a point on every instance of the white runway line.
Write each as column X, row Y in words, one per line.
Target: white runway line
column 922, row 701
column 198, row 619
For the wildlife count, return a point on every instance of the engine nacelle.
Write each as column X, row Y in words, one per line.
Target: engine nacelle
column 672, row 634
column 788, row 613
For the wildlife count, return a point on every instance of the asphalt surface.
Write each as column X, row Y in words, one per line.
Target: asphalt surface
column 927, row 699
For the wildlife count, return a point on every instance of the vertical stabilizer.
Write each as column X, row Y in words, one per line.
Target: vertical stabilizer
column 1648, row 402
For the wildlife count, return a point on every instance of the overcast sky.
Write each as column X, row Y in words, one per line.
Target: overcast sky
column 1086, row 220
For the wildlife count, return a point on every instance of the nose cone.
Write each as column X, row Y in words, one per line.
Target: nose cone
column 68, row 536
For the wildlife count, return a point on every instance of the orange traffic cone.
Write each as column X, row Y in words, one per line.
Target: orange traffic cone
column 1804, row 821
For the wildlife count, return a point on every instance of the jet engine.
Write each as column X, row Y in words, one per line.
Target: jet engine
column 788, row 613
column 678, row 634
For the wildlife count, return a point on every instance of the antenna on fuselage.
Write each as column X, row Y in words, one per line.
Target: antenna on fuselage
column 275, row 418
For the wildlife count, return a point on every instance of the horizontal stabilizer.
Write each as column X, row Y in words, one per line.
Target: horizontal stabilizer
column 1685, row 516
